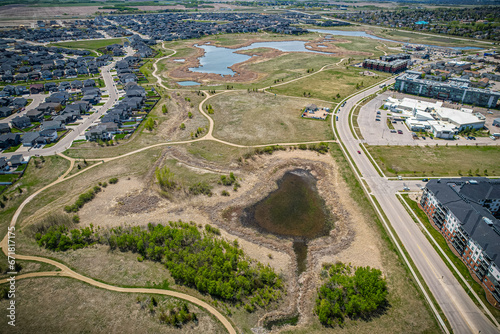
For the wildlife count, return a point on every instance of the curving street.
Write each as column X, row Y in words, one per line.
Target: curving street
column 463, row 315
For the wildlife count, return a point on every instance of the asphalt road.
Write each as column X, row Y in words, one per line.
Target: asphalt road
column 463, row 315
column 63, row 144
column 37, row 99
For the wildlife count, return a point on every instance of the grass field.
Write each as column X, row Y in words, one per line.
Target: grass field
column 327, row 84
column 407, row 311
column 455, row 259
column 65, row 193
column 285, row 67
column 47, row 305
column 258, row 118
column 437, row 161
column 33, row 179
column 408, row 36
column 89, row 45
column 215, row 152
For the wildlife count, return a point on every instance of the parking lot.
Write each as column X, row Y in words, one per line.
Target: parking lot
column 375, row 130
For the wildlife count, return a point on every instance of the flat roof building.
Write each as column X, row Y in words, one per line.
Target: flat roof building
column 441, row 121
column 457, row 90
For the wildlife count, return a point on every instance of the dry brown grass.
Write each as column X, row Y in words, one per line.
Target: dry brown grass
column 257, row 118
column 63, row 305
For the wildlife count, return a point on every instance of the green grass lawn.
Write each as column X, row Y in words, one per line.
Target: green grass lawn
column 12, row 148
column 8, row 177
column 258, row 118
column 327, row 84
column 89, row 45
column 437, row 161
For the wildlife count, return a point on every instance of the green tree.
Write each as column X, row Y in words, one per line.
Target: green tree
column 165, row 177
column 149, row 124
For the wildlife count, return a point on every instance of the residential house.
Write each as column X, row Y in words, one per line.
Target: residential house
column 35, row 115
column 9, row 139
column 52, row 125
column 36, row 88
column 50, row 135
column 89, row 83
column 98, row 132
column 21, row 122
column 4, row 164
column 4, row 128
column 19, row 102
column 5, row 111
column 30, row 138
column 16, row 160
column 76, row 84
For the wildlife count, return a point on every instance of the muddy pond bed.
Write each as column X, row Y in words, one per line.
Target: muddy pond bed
column 294, row 211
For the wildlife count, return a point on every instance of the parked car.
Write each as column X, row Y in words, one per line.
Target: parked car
column 359, row 152
column 400, row 132
column 393, row 131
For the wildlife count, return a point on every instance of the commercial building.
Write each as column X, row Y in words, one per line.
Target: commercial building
column 457, row 90
column 389, row 63
column 433, row 117
column 466, row 212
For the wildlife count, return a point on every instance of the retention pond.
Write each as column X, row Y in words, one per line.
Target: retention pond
column 295, row 210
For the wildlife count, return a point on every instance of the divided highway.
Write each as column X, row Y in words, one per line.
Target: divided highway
column 463, row 315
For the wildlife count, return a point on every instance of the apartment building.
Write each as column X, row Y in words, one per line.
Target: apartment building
column 465, row 211
column 388, row 63
column 455, row 89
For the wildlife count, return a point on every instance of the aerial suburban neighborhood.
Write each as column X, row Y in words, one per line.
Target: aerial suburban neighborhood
column 250, row 166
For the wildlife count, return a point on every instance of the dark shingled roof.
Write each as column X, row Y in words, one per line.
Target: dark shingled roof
column 461, row 197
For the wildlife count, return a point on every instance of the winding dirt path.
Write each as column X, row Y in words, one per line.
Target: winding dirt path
column 67, row 272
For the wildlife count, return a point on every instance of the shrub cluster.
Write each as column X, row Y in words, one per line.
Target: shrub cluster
column 201, row 188
column 82, row 199
column 357, row 294
column 229, row 181
column 60, row 238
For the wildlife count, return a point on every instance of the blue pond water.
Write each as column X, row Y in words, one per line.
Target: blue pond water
column 218, row 59
column 364, row 34
column 188, row 83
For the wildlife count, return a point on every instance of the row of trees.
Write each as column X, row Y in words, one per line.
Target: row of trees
column 82, row 199
column 352, row 294
column 198, row 258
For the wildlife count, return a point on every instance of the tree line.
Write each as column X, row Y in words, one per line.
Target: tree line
column 198, row 258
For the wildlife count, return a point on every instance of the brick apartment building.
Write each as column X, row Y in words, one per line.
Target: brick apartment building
column 466, row 212
column 389, row 63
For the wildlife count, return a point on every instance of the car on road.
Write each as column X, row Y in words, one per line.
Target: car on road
column 400, row 132
column 425, row 180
